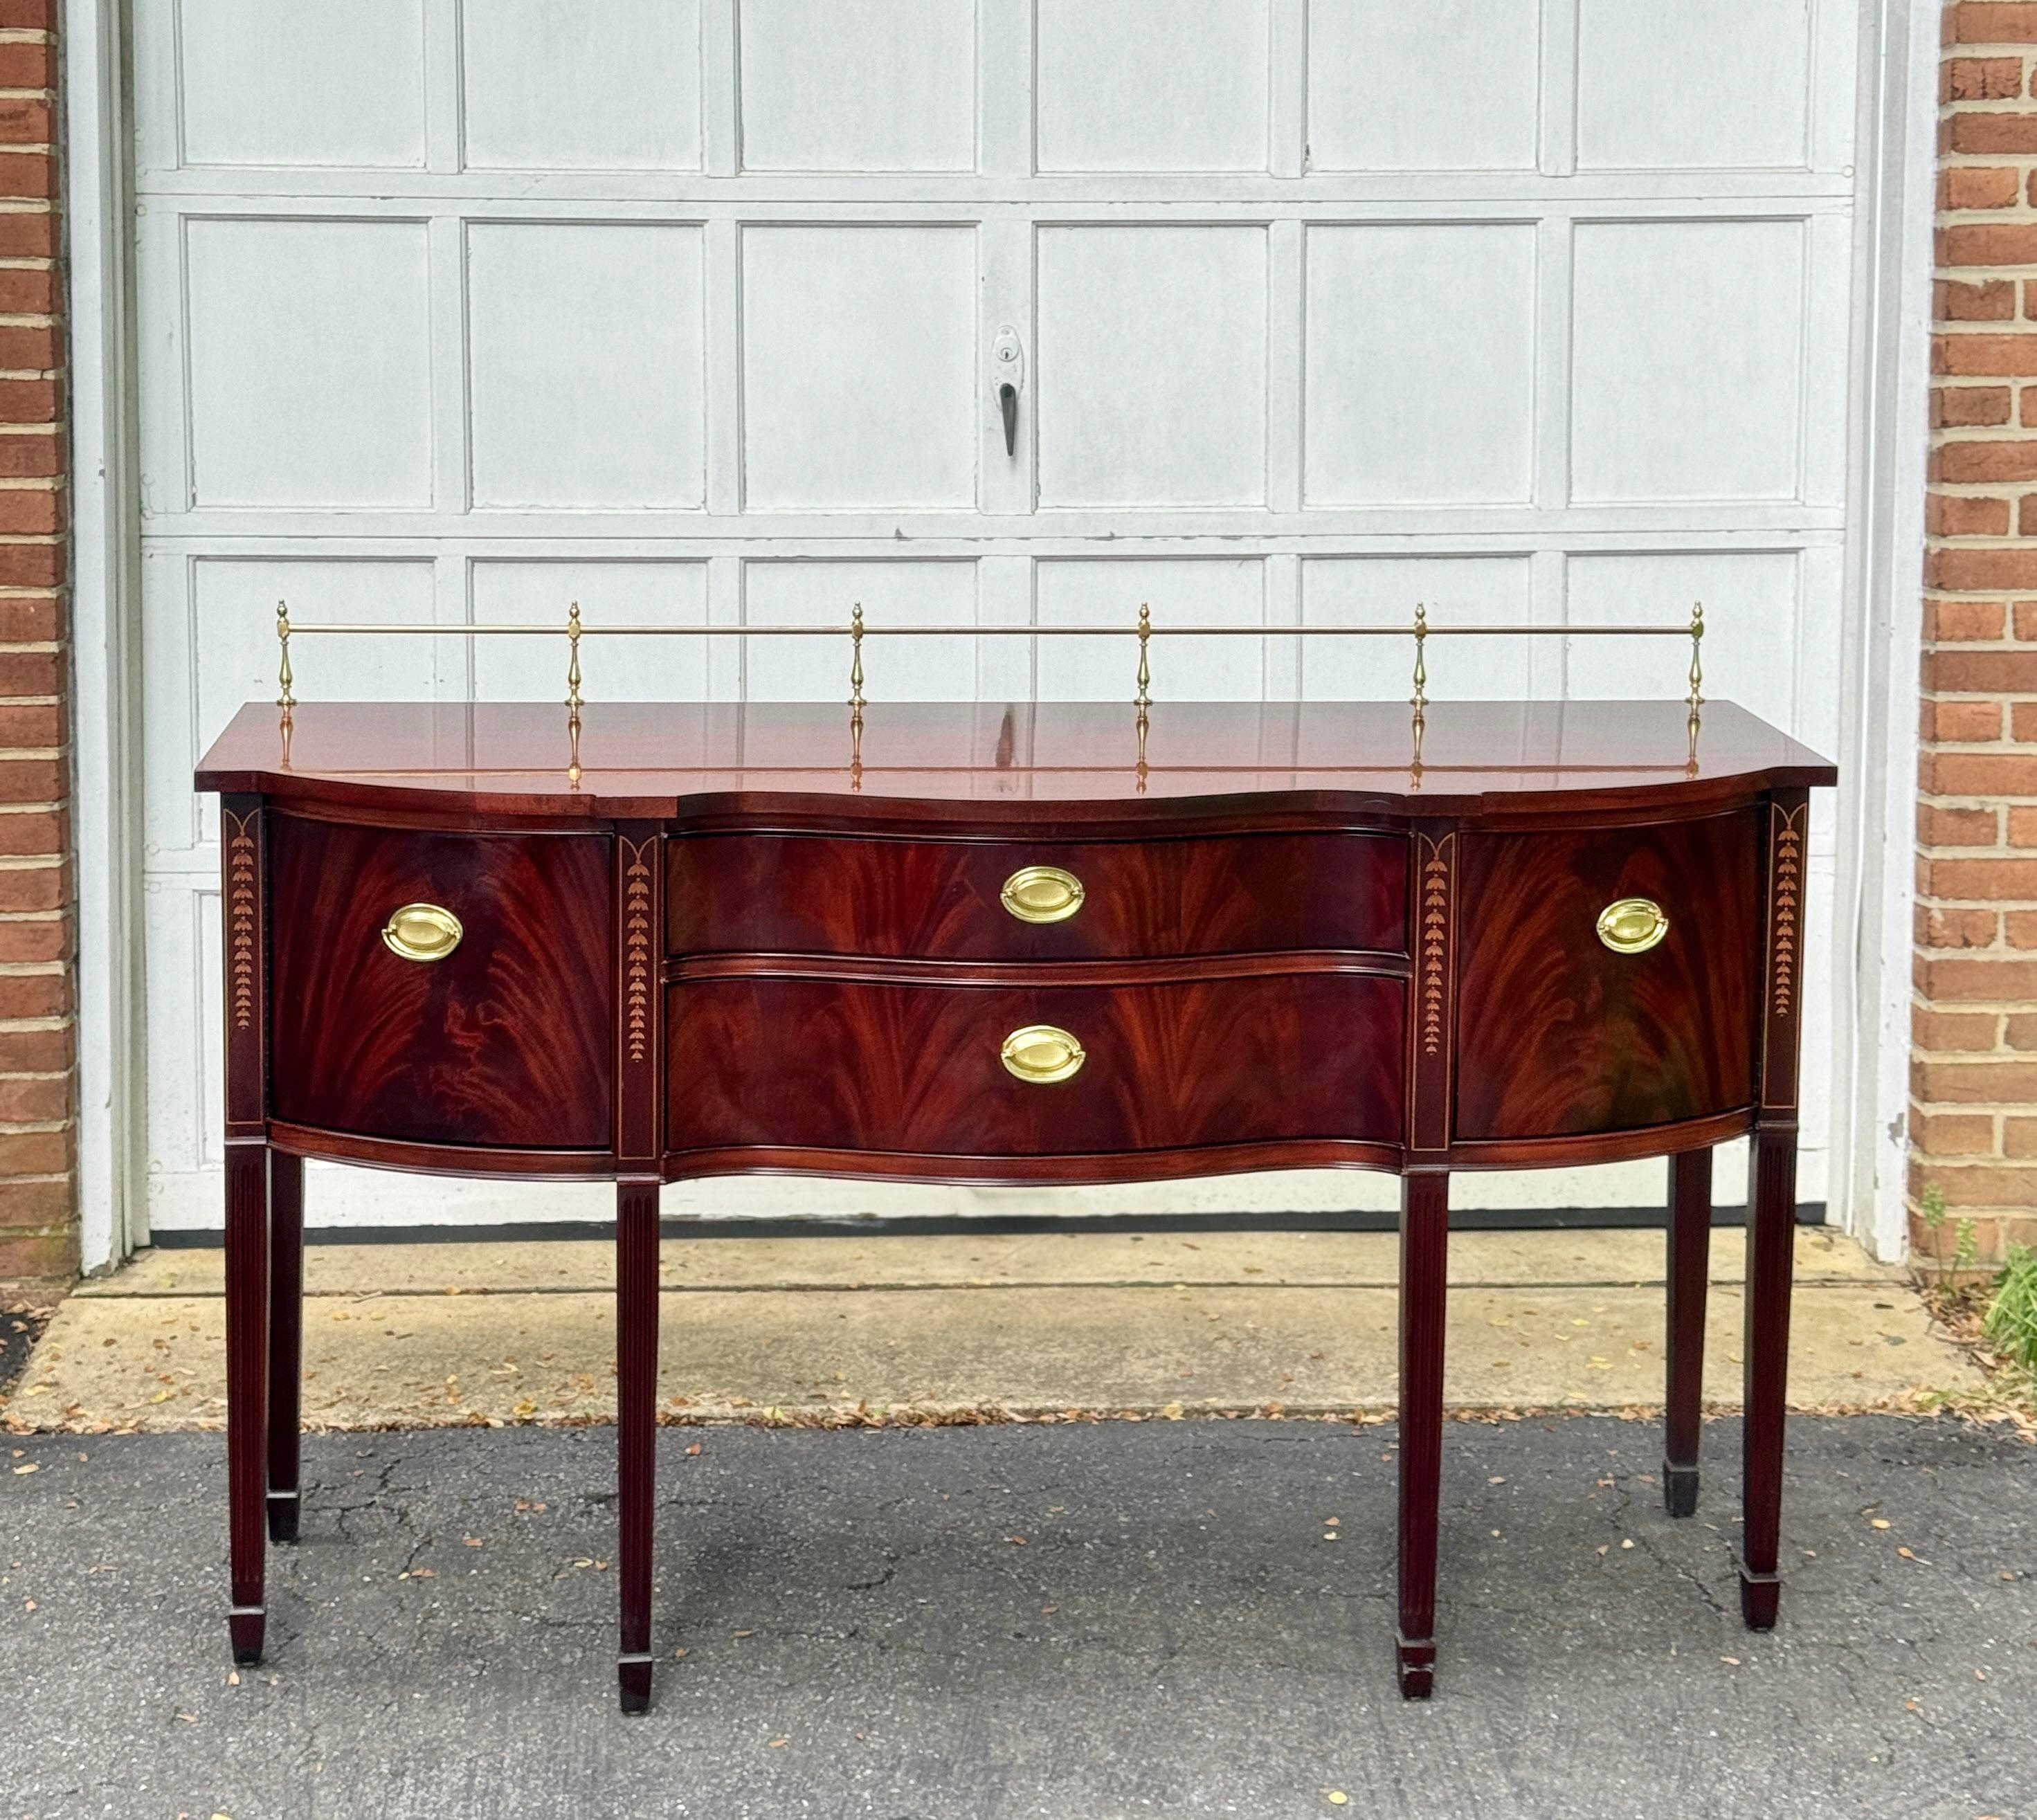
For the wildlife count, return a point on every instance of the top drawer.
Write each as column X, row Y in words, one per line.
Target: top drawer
column 827, row 894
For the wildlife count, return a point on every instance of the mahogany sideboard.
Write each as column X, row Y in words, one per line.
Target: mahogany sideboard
column 1023, row 944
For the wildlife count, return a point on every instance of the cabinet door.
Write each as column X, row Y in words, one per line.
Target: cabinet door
column 1559, row 1031
column 505, row 1039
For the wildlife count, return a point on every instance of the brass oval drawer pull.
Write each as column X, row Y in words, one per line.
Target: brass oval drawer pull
column 1042, row 1053
column 1042, row 894
column 422, row 932
column 1632, row 925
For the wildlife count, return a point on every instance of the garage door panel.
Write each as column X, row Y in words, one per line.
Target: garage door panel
column 627, row 593
column 185, row 1054
column 234, row 627
column 1423, row 85
column 599, row 85
column 585, row 364
column 1152, row 85
column 210, row 622
column 857, row 84
column 1752, row 605
column 1153, row 366
column 1699, row 394
column 260, row 84
column 1700, row 85
column 821, row 594
column 1382, row 591
column 858, row 367
column 310, row 364
column 1199, row 591
column 1420, row 365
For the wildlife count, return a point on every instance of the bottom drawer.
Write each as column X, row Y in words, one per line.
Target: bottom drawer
column 863, row 1065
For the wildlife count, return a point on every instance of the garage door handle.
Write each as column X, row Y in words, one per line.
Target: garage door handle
column 1008, row 375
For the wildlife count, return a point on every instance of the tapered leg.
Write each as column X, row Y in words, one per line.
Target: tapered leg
column 1771, row 1219
column 286, row 1330
column 1424, row 1247
column 247, row 1387
column 1689, row 1265
column 636, row 1436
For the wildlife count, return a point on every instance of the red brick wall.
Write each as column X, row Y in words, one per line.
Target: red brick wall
column 1974, row 1110
column 38, row 1092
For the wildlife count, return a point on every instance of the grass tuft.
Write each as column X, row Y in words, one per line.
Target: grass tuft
column 2011, row 1322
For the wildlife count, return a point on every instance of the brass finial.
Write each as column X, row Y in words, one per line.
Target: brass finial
column 1697, row 656
column 572, row 660
column 284, row 699
column 855, row 659
column 1419, row 701
column 1143, row 700
column 1697, row 701
column 572, row 694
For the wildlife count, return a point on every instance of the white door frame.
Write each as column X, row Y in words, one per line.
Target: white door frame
column 1894, row 173
column 106, row 691
column 1894, row 186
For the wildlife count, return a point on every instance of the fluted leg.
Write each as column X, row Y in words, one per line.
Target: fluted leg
column 1424, row 1248
column 1771, row 1220
column 636, row 1435
column 246, row 1388
column 286, row 1329
column 1689, row 1265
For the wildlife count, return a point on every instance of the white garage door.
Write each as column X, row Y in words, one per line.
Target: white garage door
column 687, row 309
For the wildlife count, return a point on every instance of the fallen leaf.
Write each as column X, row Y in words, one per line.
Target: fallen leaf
column 744, row 1633
column 779, row 1743
column 1173, row 1412
column 1016, row 1541
column 1337, row 1798
column 1733, row 1660
column 1048, row 1611
column 32, row 1467
column 1627, row 1544
column 233, row 1677
column 471, row 1542
column 693, row 1450
column 1879, row 1521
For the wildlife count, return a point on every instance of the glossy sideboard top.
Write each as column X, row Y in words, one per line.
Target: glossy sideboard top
column 652, row 759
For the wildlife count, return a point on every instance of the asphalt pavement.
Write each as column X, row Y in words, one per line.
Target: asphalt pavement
column 1070, row 1622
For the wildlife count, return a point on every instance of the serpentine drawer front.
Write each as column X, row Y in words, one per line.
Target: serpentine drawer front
column 861, row 1065
column 1609, row 978
column 441, row 988
column 1045, row 944
column 817, row 894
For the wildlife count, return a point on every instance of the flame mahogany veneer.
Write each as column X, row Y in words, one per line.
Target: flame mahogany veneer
column 733, row 943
